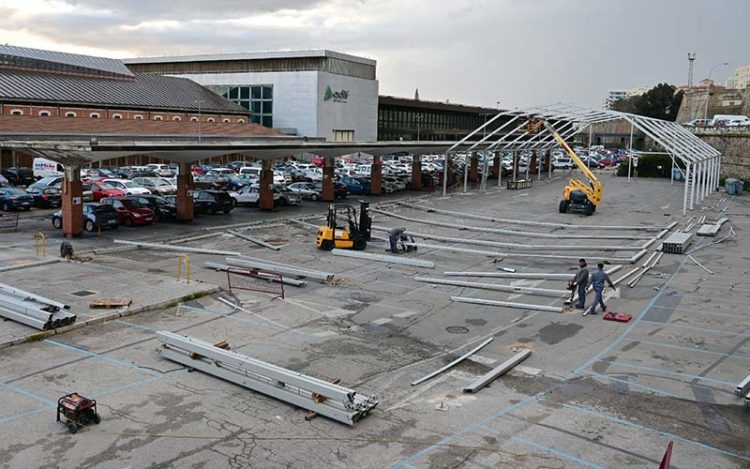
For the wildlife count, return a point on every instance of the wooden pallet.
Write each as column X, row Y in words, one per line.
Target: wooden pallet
column 110, row 302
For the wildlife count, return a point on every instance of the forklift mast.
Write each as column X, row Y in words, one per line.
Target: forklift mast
column 365, row 222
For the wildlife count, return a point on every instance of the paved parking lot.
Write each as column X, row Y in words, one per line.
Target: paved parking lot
column 594, row 393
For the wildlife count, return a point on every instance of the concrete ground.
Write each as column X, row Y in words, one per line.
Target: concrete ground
column 594, row 393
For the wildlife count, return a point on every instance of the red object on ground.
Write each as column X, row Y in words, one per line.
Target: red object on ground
column 619, row 317
column 667, row 457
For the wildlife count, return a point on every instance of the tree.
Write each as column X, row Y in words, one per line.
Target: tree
column 660, row 102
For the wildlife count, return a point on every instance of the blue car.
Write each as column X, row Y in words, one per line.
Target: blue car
column 355, row 186
column 15, row 199
column 94, row 216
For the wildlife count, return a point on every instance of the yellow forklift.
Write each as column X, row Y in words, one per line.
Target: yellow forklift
column 352, row 234
column 578, row 196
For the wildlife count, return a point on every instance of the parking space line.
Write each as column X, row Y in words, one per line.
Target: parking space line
column 677, row 309
column 668, row 372
column 231, row 317
column 637, row 385
column 10, row 418
column 691, row 349
column 467, row 429
column 627, row 423
column 99, row 356
column 26, row 393
column 137, row 326
column 702, row 329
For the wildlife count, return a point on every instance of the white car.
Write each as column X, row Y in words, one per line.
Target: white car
column 161, row 186
column 129, row 187
column 305, row 189
column 562, row 163
column 250, row 195
column 397, row 183
column 160, row 169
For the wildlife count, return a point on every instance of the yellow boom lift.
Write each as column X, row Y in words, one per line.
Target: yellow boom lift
column 578, row 196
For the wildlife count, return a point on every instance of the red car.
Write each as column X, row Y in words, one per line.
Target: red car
column 101, row 190
column 130, row 211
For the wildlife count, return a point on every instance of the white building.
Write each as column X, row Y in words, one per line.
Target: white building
column 613, row 96
column 741, row 78
column 308, row 93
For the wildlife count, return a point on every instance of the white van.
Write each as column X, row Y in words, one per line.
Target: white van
column 44, row 168
column 363, row 170
column 251, row 170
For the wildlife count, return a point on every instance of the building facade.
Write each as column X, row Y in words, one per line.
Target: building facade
column 321, row 94
column 413, row 119
column 741, row 78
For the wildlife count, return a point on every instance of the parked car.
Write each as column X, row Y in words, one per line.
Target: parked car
column 141, row 173
column 4, row 182
column 94, row 216
column 207, row 201
column 96, row 174
column 15, row 199
column 355, row 186
column 159, row 186
column 160, row 169
column 250, row 195
column 562, row 163
column 45, row 197
column 286, row 196
column 163, row 209
column 19, row 176
column 339, row 190
column 305, row 189
column 128, row 187
column 100, row 190
column 130, row 212
column 50, row 181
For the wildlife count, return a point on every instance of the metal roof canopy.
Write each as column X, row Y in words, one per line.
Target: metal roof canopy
column 702, row 161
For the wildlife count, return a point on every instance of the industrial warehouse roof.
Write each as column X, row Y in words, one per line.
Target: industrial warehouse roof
column 295, row 54
column 38, row 59
column 433, row 105
column 140, row 92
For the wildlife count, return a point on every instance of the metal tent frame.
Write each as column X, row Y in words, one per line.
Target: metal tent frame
column 702, row 161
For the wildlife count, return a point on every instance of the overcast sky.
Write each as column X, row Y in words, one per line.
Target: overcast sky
column 518, row 52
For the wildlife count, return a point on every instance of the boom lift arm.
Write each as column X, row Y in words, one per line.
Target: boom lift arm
column 592, row 191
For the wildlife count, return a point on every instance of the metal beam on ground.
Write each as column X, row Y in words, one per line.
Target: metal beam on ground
column 520, row 275
column 611, row 260
column 259, row 242
column 453, row 363
column 169, row 247
column 507, row 304
column 331, row 400
column 281, row 269
column 383, row 258
column 261, row 275
column 492, row 286
column 498, row 371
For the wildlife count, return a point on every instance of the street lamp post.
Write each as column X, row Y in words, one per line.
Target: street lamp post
column 708, row 90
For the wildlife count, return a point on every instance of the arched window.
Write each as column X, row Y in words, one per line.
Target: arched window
column 158, row 118
column 226, row 121
column 44, row 114
column 138, row 117
column 177, row 118
column 95, row 115
column 116, row 116
column 240, row 121
column 210, row 119
column 70, row 114
column 16, row 112
column 193, row 119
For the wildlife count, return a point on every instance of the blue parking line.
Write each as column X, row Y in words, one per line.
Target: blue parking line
column 100, row 356
column 10, row 418
column 702, row 329
column 667, row 372
column 556, row 452
column 627, row 423
column 137, row 326
column 630, row 383
column 26, row 393
column 255, row 322
column 710, row 313
column 469, row 428
column 632, row 326
column 691, row 349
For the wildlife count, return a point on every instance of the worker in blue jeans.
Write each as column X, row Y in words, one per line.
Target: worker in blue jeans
column 581, row 281
column 598, row 279
column 394, row 235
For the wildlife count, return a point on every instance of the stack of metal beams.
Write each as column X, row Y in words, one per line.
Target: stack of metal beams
column 677, row 243
column 33, row 310
column 711, row 229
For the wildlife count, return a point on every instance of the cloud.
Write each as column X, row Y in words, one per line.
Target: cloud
column 517, row 52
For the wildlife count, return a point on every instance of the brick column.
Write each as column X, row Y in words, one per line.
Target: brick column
column 474, row 168
column 516, row 162
column 416, row 173
column 548, row 162
column 496, row 165
column 265, row 200
column 185, row 187
column 72, row 203
column 532, row 164
column 328, row 177
column 375, row 175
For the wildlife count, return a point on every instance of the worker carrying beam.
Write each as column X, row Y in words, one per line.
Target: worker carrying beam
column 598, row 279
column 394, row 235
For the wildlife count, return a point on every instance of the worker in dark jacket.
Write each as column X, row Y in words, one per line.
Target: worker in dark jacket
column 581, row 281
column 598, row 279
column 394, row 235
